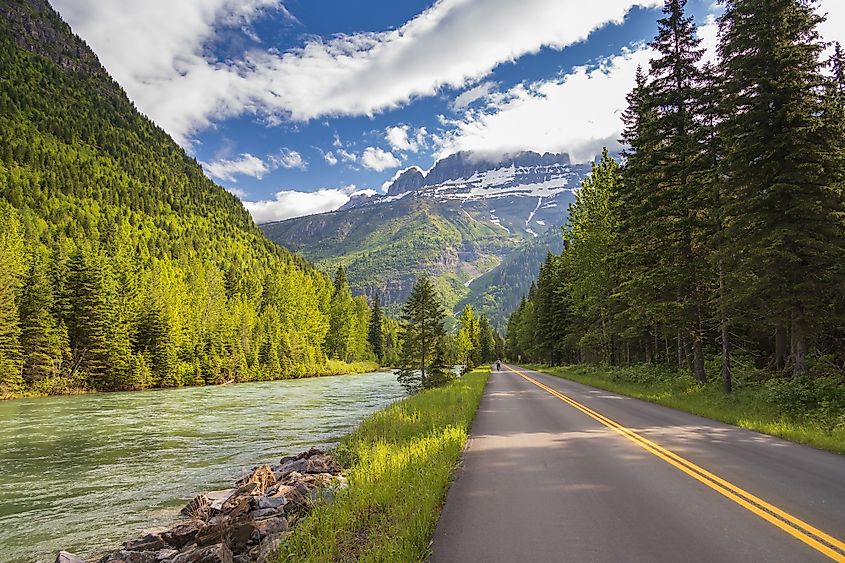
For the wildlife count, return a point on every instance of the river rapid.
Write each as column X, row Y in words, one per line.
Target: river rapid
column 84, row 473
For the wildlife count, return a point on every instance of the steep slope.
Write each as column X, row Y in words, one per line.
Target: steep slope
column 123, row 266
column 460, row 220
column 498, row 292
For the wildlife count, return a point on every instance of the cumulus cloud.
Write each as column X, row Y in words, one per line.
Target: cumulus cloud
column 378, row 159
column 451, row 43
column 288, row 158
column 330, row 158
column 578, row 113
column 403, row 139
column 292, row 203
column 249, row 165
column 227, row 169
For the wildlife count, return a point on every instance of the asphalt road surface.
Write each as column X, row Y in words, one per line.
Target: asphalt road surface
column 558, row 471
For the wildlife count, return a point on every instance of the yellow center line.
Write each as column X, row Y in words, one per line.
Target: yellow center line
column 815, row 538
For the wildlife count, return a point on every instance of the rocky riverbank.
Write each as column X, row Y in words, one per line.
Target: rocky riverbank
column 244, row 524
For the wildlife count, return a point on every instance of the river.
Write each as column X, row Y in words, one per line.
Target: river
column 86, row 472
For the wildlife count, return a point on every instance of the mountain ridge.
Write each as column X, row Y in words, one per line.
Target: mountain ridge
column 457, row 222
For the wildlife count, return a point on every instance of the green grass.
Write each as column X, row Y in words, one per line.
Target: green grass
column 746, row 407
column 402, row 459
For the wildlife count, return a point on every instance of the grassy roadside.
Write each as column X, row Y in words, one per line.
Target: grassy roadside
column 747, row 407
column 401, row 460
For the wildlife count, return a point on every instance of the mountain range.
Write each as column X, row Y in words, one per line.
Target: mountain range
column 480, row 226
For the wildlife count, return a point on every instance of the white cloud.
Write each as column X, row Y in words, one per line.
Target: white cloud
column 237, row 192
column 449, row 44
column 578, row 113
column 330, row 158
column 347, row 156
column 288, row 158
column 292, row 203
column 250, row 165
column 378, row 159
column 467, row 97
column 402, row 138
column 227, row 169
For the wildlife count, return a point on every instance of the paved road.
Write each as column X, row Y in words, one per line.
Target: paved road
column 549, row 480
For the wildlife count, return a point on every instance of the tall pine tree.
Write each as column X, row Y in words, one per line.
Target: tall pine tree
column 376, row 329
column 784, row 217
column 421, row 360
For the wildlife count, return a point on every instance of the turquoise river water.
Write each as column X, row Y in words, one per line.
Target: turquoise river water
column 84, row 473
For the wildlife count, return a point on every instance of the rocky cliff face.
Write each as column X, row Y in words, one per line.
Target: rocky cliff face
column 465, row 175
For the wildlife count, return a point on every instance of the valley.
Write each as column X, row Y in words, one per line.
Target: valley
column 480, row 227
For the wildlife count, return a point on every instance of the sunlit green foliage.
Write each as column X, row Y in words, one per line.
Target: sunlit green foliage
column 121, row 265
column 401, row 461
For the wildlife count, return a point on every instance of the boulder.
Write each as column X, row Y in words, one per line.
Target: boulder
column 66, row 557
column 298, row 465
column 209, row 554
column 269, row 546
column 150, row 542
column 218, row 498
column 271, row 502
column 125, row 556
column 271, row 526
column 167, row 554
column 262, row 513
column 183, row 534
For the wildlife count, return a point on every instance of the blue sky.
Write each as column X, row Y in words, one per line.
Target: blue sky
column 294, row 105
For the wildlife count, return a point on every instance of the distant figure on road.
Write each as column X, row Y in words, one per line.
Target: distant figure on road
column 498, row 365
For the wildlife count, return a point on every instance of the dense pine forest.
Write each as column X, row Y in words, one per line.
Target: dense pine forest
column 121, row 265
column 717, row 245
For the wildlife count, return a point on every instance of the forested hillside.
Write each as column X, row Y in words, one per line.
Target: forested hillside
column 721, row 241
column 121, row 265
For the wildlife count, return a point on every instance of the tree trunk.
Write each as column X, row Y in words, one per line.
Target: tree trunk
column 666, row 345
column 648, row 358
column 687, row 354
column 698, row 350
column 780, row 347
column 799, row 348
column 698, row 358
column 680, row 352
column 727, row 380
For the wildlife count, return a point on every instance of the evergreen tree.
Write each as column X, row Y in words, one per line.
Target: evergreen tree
column 376, row 330
column 467, row 337
column 43, row 339
column 591, row 236
column 422, row 336
column 11, row 268
column 486, row 340
column 341, row 319
column 783, row 220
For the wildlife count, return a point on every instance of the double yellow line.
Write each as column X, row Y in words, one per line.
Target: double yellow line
column 815, row 538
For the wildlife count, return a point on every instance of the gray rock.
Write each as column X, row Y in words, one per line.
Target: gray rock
column 262, row 513
column 66, row 557
column 183, row 534
column 271, row 526
column 218, row 498
column 125, row 556
column 165, row 554
column 269, row 546
column 150, row 542
column 299, row 466
column 271, row 502
column 209, row 554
